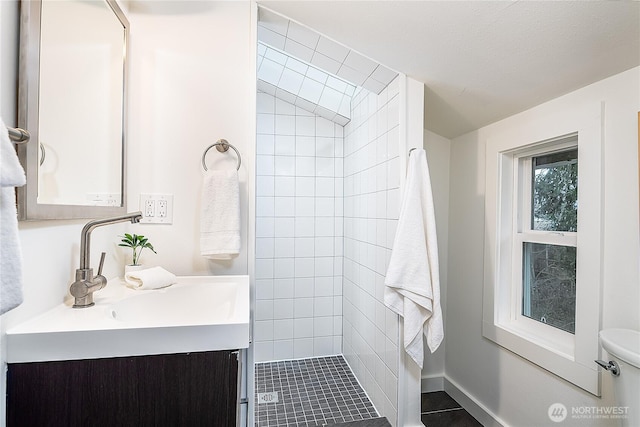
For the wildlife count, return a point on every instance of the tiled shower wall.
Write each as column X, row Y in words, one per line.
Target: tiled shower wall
column 372, row 200
column 299, row 233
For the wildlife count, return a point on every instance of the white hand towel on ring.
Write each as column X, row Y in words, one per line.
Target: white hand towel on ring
column 220, row 216
column 413, row 280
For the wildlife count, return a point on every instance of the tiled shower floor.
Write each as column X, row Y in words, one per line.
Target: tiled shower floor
column 311, row 392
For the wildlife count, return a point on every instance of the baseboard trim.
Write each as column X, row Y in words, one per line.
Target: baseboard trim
column 434, row 383
column 472, row 405
column 464, row 398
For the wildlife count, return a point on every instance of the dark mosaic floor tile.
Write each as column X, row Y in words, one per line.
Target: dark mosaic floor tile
column 437, row 401
column 449, row 418
column 312, row 393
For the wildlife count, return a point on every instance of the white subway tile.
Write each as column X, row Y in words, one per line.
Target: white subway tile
column 283, row 349
column 285, row 125
column 264, row 289
column 283, row 247
column 323, row 266
column 305, row 126
column 291, row 81
column 304, row 246
column 324, row 246
column 325, row 208
column 326, row 63
column 324, row 225
column 284, row 165
column 284, row 206
column 322, row 326
column 285, row 145
column 332, row 49
column 265, row 145
column 323, row 286
column 303, row 35
column 270, row 71
column 330, row 99
column 265, row 123
column 298, row 50
column 265, row 103
column 265, row 186
column 324, row 146
column 324, row 187
column 323, row 306
column 296, row 65
column 324, row 127
column 283, row 288
column 304, row 267
column 310, row 90
column 304, row 227
column 263, row 330
column 325, row 166
column 305, row 145
column 273, row 21
column 265, row 207
column 302, row 348
column 303, row 327
column 283, row 308
column 285, row 186
column 283, row 268
column 283, row 329
column 323, row 346
column 305, row 166
column 264, row 310
column 303, row 289
column 285, row 108
column 264, row 227
column 264, row 247
column 304, row 206
column 263, row 351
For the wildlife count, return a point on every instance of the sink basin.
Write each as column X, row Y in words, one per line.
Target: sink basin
column 199, row 313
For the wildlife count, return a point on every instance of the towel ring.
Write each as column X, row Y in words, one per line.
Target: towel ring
column 222, row 145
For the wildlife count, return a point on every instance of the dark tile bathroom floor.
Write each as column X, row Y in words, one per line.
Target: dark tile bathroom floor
column 311, row 393
column 440, row 410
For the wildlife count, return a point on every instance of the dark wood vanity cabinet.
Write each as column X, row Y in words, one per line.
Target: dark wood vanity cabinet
column 181, row 390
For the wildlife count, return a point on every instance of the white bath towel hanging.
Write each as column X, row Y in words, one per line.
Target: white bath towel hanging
column 220, row 216
column 413, row 281
column 11, row 176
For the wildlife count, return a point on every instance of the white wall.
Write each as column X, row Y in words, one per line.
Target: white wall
column 189, row 86
column 299, row 209
column 438, row 150
column 514, row 390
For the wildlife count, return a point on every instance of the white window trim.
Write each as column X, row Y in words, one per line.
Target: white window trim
column 568, row 356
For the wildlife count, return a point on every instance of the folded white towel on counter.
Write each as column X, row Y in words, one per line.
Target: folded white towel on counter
column 220, row 216
column 11, row 176
column 150, row 278
column 413, row 280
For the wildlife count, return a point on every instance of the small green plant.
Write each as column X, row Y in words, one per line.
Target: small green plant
column 137, row 244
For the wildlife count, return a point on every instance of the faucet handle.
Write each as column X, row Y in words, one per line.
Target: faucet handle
column 101, row 263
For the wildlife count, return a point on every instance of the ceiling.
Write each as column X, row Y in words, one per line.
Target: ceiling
column 482, row 61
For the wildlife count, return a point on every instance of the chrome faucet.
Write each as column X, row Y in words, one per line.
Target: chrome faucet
column 86, row 283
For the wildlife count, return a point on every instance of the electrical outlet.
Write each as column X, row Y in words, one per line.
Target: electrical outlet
column 156, row 208
column 149, row 207
column 162, row 208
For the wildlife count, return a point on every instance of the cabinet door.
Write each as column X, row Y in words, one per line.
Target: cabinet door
column 194, row 389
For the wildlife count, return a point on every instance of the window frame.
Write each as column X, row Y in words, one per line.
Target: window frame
column 567, row 355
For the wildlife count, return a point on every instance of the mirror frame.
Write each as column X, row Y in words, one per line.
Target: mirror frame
column 28, row 118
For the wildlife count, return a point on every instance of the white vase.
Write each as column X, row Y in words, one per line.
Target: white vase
column 130, row 267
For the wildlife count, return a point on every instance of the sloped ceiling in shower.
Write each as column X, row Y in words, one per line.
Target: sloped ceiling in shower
column 311, row 71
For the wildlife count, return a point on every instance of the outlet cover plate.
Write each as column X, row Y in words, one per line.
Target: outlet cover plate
column 156, row 208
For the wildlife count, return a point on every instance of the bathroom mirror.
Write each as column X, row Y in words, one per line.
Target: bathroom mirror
column 71, row 98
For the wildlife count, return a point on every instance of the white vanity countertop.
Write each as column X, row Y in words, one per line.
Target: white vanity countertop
column 199, row 313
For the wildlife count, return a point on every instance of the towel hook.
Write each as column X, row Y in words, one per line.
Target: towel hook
column 222, row 145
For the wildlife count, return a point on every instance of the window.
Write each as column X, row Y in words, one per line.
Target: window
column 543, row 246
